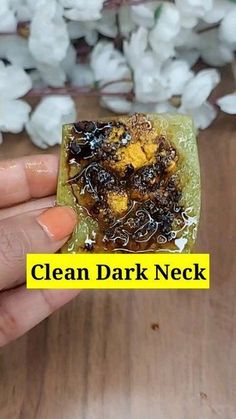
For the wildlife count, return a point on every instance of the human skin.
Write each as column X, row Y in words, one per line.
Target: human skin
column 29, row 223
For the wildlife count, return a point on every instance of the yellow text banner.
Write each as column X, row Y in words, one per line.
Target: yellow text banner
column 118, row 271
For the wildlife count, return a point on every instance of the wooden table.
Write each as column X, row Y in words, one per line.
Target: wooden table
column 140, row 354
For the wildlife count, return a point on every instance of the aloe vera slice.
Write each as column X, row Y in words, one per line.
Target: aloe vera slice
column 134, row 182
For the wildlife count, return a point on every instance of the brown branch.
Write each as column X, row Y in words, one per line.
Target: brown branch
column 115, row 4
column 208, row 28
column 76, row 91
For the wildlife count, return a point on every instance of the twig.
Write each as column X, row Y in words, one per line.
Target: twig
column 208, row 28
column 115, row 4
column 81, row 91
column 75, row 92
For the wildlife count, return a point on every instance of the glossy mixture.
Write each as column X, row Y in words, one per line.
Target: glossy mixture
column 125, row 182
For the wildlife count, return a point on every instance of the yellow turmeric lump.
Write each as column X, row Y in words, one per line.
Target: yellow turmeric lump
column 117, row 202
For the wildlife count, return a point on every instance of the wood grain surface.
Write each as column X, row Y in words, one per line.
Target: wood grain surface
column 140, row 354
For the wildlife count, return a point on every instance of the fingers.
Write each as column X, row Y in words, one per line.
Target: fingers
column 33, row 232
column 36, row 204
column 26, row 178
column 22, row 309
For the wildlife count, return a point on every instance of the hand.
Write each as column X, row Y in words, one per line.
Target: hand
column 29, row 223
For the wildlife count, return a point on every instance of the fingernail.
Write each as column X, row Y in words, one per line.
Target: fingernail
column 58, row 222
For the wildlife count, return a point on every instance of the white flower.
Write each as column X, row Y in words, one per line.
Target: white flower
column 49, row 39
column 70, row 60
column 191, row 57
column 82, row 9
column 116, row 104
column 191, row 8
column 213, row 50
column 13, row 115
column 56, row 75
column 150, row 85
column 188, row 21
column 126, row 24
column 228, row 103
column 164, row 107
column 143, row 14
column 52, row 75
column 217, row 12
column 135, row 48
column 162, row 41
column 14, row 83
column 8, row 21
column 204, row 115
column 168, row 23
column 15, row 49
column 177, row 73
column 87, row 30
column 23, row 9
column 187, row 38
column 46, row 121
column 109, row 64
column 228, row 27
column 81, row 75
column 199, row 88
column 165, row 30
column 107, row 24
column 37, row 80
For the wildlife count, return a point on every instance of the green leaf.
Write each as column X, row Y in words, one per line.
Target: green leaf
column 158, row 12
column 233, row 1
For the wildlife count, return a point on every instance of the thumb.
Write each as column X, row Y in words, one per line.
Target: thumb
column 32, row 232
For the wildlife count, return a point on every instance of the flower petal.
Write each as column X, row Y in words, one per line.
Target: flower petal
column 213, row 50
column 168, row 24
column 107, row 24
column 82, row 9
column 53, row 75
column 126, row 24
column 217, row 12
column 49, row 38
column 150, row 87
column 143, row 14
column 199, row 88
column 81, row 75
column 228, row 26
column 228, row 103
column 8, row 21
column 136, row 47
column 14, row 81
column 109, row 64
column 204, row 115
column 13, row 115
column 16, row 51
column 177, row 74
column 45, row 123
column 116, row 104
